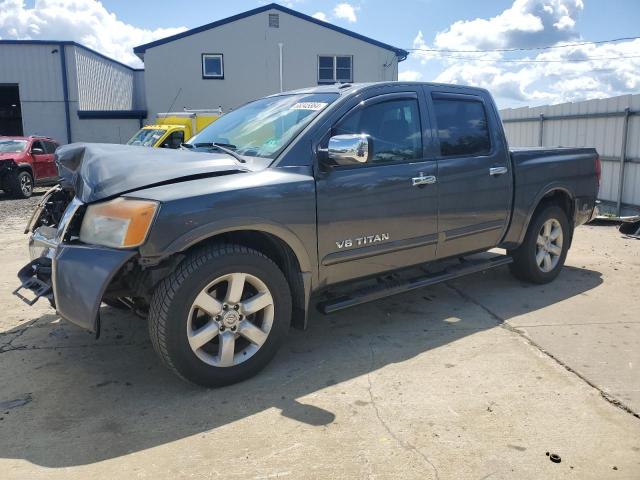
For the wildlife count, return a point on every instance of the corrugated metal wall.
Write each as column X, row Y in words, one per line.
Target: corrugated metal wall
column 593, row 123
column 102, row 84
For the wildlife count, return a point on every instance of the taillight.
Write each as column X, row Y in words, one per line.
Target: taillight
column 598, row 169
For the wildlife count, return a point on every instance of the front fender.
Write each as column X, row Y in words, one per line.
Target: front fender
column 213, row 229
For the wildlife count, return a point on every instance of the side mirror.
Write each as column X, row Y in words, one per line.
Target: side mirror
column 37, row 151
column 348, row 149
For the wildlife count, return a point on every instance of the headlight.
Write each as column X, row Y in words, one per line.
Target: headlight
column 119, row 223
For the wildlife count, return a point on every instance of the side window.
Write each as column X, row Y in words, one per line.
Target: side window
column 50, row 147
column 393, row 127
column 462, row 127
column 212, row 65
column 174, row 140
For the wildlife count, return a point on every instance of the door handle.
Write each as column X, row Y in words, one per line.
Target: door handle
column 496, row 171
column 422, row 180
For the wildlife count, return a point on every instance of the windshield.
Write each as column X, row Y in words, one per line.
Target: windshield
column 12, row 146
column 146, row 137
column 264, row 127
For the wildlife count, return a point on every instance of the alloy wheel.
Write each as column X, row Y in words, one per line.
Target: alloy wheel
column 26, row 185
column 549, row 245
column 230, row 319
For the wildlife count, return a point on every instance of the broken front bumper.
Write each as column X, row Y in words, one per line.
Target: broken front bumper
column 72, row 275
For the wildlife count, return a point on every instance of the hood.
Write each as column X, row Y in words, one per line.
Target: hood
column 100, row 170
column 10, row 155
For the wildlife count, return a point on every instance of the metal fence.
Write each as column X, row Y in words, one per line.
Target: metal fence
column 611, row 125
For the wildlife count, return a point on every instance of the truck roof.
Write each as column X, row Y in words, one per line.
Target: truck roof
column 350, row 88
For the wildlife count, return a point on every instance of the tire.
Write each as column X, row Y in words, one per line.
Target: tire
column 525, row 264
column 20, row 184
column 178, row 323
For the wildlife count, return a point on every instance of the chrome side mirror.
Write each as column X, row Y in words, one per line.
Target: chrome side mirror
column 348, row 149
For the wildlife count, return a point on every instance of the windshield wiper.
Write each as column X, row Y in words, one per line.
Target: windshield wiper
column 224, row 147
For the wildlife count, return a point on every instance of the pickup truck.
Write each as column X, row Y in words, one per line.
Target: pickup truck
column 331, row 195
column 25, row 162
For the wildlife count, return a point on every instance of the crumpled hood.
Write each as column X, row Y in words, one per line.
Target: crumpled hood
column 100, row 170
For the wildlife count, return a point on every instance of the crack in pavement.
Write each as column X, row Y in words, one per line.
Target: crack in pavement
column 502, row 323
column 8, row 346
column 404, row 444
column 62, row 347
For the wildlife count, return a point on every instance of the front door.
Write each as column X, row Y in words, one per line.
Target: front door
column 41, row 160
column 381, row 215
column 474, row 173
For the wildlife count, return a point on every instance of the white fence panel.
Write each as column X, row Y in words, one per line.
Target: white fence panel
column 602, row 123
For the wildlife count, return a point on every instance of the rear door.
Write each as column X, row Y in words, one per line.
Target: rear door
column 50, row 148
column 371, row 217
column 474, row 172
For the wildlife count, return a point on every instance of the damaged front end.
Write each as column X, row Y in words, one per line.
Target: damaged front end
column 84, row 249
column 72, row 276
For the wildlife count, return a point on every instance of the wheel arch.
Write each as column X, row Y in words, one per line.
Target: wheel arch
column 22, row 167
column 558, row 195
column 294, row 264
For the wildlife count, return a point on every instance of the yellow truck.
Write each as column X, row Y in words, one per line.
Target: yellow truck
column 173, row 129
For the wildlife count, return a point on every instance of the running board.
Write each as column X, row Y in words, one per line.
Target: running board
column 394, row 287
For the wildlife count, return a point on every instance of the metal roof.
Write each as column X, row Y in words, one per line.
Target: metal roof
column 139, row 50
column 67, row 42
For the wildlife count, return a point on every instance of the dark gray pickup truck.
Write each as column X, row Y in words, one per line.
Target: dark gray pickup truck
column 330, row 196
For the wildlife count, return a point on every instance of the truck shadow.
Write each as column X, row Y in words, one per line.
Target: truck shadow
column 87, row 401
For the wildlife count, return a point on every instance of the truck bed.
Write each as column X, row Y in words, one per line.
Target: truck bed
column 537, row 170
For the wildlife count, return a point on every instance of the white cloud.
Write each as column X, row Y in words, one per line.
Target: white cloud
column 526, row 24
column 346, row 11
column 320, row 16
column 409, row 76
column 86, row 21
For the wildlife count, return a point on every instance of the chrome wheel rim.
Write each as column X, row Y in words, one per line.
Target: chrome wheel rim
column 230, row 319
column 549, row 245
column 25, row 184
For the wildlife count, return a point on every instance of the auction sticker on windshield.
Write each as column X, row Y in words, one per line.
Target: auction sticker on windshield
column 309, row 106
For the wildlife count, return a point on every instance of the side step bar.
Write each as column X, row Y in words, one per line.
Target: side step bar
column 394, row 287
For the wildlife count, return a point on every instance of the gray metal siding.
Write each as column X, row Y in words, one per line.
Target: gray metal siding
column 37, row 72
column 605, row 133
column 251, row 62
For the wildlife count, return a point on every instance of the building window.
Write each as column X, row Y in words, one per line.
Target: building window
column 335, row 68
column 274, row 20
column 212, row 65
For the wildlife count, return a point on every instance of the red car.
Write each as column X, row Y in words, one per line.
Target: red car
column 25, row 162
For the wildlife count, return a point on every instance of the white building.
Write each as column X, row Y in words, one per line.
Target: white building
column 68, row 92
column 256, row 53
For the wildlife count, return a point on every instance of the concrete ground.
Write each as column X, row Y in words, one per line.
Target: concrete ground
column 478, row 378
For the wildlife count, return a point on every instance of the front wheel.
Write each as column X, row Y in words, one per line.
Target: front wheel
column 221, row 316
column 21, row 185
column 542, row 254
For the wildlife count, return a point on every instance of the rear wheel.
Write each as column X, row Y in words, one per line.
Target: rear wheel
column 221, row 316
column 21, row 184
column 542, row 254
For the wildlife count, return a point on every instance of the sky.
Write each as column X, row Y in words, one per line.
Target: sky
column 515, row 78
